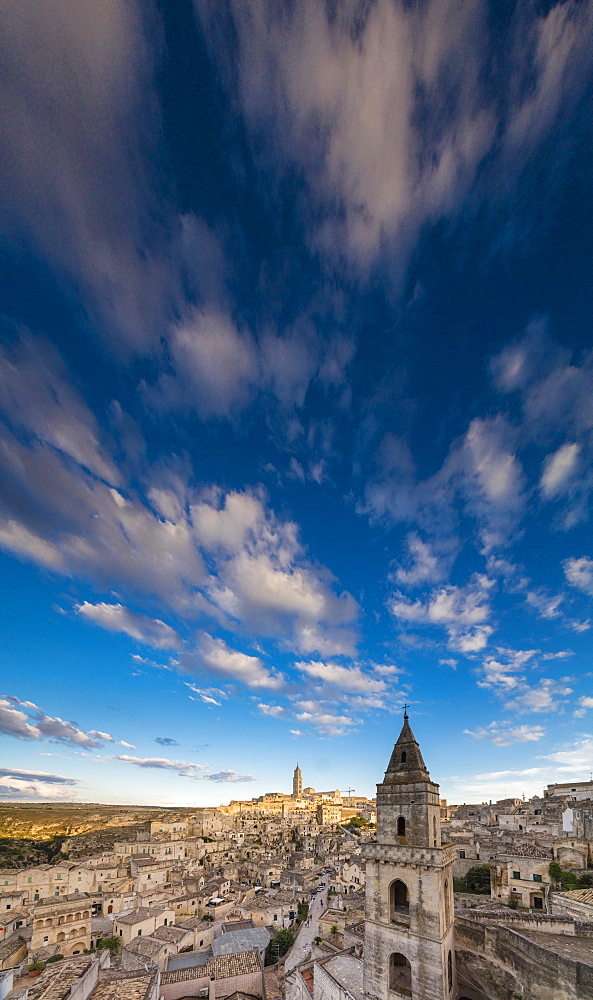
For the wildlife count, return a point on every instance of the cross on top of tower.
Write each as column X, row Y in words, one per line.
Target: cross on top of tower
column 406, row 707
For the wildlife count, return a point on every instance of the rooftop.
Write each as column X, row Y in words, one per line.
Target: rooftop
column 56, row 981
column 241, row 941
column 134, row 987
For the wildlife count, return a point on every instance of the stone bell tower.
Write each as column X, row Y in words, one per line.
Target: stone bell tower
column 408, row 947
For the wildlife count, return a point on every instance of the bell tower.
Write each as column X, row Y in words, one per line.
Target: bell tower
column 297, row 783
column 409, row 949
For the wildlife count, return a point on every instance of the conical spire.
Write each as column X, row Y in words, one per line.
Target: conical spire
column 406, row 762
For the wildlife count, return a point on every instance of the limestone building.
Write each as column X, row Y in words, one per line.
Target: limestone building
column 297, row 783
column 409, row 948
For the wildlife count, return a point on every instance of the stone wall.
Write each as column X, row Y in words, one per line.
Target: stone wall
column 501, row 959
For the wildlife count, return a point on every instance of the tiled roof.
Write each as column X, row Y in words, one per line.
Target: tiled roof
column 136, row 987
column 581, row 895
column 223, row 967
column 56, row 981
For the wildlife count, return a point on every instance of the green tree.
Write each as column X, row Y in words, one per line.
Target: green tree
column 554, row 871
column 333, row 929
column 317, row 940
column 459, row 884
column 477, row 879
column 303, row 911
column 282, row 943
column 111, row 944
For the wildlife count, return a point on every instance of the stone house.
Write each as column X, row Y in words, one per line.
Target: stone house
column 523, row 878
column 141, row 922
column 64, row 922
column 221, row 977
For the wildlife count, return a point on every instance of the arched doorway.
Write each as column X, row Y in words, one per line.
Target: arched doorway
column 399, row 902
column 400, row 974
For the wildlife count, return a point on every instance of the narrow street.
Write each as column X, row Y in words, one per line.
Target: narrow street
column 301, row 949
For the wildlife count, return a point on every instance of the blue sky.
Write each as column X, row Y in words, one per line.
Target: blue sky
column 295, row 394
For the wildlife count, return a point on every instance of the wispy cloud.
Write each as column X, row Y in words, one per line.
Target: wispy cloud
column 116, row 618
column 505, row 733
column 26, row 721
column 186, row 769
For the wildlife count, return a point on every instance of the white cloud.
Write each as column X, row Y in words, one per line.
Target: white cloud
column 505, row 733
column 35, row 724
column 345, row 678
column 264, row 580
column 547, row 605
column 186, row 769
column 462, row 611
column 326, row 723
column 217, row 657
column 31, row 786
column 275, row 711
column 547, row 695
column 116, row 618
column 585, row 703
column 579, row 573
column 575, row 759
column 384, row 109
column 37, row 394
column 426, row 566
column 217, row 365
column 81, row 124
column 559, row 469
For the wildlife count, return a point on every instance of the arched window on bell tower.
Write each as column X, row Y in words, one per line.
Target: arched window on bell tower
column 401, row 826
column 404, row 757
column 399, row 902
column 400, row 974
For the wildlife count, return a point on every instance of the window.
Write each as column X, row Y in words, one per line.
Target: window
column 537, row 878
column 462, row 855
column 400, row 974
column 58, row 876
column 29, row 879
column 398, row 900
column 404, row 757
column 538, row 812
column 401, row 826
column 139, row 932
column 538, row 903
column 516, row 874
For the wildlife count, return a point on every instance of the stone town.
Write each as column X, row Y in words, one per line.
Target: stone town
column 318, row 896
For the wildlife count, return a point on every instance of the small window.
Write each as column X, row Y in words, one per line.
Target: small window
column 201, row 943
column 537, row 878
column 538, row 903
column 462, row 854
column 29, row 879
column 404, row 757
column 516, row 874
column 401, row 826
column 139, row 932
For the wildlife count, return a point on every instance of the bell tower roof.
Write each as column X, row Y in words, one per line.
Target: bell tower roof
column 406, row 762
